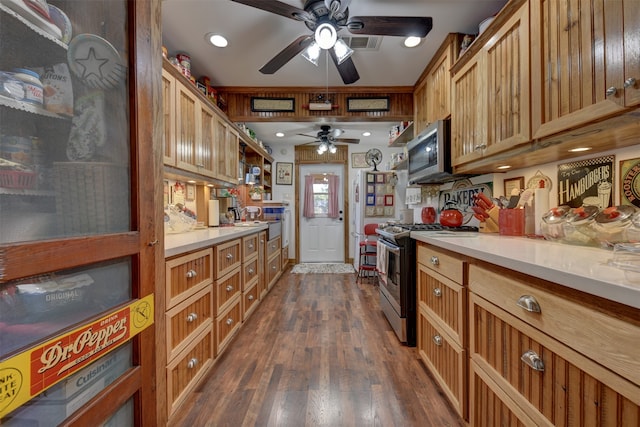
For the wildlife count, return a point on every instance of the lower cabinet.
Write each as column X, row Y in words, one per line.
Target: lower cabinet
column 274, row 261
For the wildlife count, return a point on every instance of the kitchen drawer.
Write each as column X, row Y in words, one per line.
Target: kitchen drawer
column 185, row 371
column 552, row 383
column 228, row 323
column 606, row 337
column 447, row 263
column 250, row 298
column 226, row 289
column 249, row 246
column 188, row 319
column 274, row 246
column 227, row 256
column 250, row 271
column 187, row 274
column 445, row 359
column 444, row 299
column 273, row 270
column 490, row 406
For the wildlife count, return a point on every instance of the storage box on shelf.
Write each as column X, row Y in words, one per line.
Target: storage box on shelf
column 402, row 137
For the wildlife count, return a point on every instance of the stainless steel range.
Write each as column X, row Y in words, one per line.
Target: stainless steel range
column 397, row 262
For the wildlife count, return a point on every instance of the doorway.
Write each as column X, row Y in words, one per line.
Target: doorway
column 320, row 238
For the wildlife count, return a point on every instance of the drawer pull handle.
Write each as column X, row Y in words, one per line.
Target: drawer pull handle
column 229, row 288
column 435, row 260
column 192, row 363
column 611, row 91
column 229, row 256
column 250, row 297
column 531, row 359
column 191, row 274
column 229, row 321
column 480, row 147
column 529, row 303
column 250, row 271
column 630, row 82
column 437, row 292
column 437, row 340
column 192, row 317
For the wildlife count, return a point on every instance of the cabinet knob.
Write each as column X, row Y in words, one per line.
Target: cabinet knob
column 229, row 256
column 273, row 267
column 229, row 288
column 611, row 91
column 192, row 363
column 250, row 245
column 437, row 292
column 191, row 274
column 437, row 340
column 250, row 271
column 529, row 303
column 435, row 260
column 229, row 321
column 191, row 317
column 261, row 241
column 532, row 360
column 480, row 147
column 630, row 82
column 250, row 297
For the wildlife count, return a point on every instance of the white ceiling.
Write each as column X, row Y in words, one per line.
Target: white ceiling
column 255, row 36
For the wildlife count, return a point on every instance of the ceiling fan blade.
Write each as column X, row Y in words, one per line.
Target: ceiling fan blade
column 348, row 140
column 286, row 54
column 279, row 8
column 309, row 136
column 402, row 26
column 347, row 69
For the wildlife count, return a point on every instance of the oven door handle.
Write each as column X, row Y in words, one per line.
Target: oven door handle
column 391, row 247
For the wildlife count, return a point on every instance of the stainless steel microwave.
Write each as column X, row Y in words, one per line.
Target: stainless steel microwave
column 429, row 155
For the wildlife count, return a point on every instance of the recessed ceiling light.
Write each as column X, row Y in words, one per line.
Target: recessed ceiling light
column 367, row 133
column 579, row 149
column 191, row 181
column 279, row 134
column 412, row 41
column 216, row 39
column 504, row 167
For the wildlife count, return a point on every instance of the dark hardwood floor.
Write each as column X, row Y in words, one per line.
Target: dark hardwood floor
column 317, row 352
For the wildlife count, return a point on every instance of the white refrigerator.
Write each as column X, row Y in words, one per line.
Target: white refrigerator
column 378, row 197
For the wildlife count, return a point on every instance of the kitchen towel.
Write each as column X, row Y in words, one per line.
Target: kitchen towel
column 214, row 213
column 381, row 259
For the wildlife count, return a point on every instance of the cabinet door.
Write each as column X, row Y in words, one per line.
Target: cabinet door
column 169, row 117
column 576, row 62
column 205, row 157
column 79, row 225
column 420, row 102
column 187, row 127
column 507, row 84
column 439, row 88
column 468, row 128
column 631, row 53
column 226, row 143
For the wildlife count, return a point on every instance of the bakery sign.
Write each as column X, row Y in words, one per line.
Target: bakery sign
column 586, row 182
column 28, row 374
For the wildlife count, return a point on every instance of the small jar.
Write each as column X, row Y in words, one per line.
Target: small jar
column 552, row 223
column 34, row 93
column 612, row 224
column 578, row 228
column 633, row 231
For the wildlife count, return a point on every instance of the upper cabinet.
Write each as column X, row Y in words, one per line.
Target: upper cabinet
column 491, row 89
column 585, row 61
column 226, row 150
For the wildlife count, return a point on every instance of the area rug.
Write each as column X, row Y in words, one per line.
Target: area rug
column 322, row 268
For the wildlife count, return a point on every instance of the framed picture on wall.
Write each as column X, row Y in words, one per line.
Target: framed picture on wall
column 284, row 173
column 512, row 184
column 358, row 160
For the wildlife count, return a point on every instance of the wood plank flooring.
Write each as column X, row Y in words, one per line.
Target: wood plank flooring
column 318, row 351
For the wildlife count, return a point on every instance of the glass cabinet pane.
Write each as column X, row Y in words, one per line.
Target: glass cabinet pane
column 64, row 119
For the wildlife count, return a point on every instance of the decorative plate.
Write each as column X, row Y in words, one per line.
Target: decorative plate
column 255, row 170
column 62, row 21
column 534, row 181
column 95, row 61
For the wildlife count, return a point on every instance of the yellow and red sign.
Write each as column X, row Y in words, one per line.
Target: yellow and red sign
column 28, row 374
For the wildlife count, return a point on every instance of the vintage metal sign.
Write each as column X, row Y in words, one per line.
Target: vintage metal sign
column 630, row 182
column 586, row 182
column 461, row 197
column 27, row 374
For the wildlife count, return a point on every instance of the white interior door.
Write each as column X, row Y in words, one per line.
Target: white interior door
column 321, row 238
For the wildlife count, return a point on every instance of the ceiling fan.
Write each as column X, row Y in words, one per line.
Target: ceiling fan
column 327, row 138
column 325, row 18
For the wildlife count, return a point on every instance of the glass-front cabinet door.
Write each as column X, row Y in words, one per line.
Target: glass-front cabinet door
column 78, row 228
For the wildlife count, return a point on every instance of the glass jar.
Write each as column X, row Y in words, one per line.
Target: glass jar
column 552, row 223
column 578, row 228
column 34, row 93
column 633, row 231
column 612, row 223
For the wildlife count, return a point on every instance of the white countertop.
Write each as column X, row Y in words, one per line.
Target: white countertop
column 581, row 268
column 179, row 243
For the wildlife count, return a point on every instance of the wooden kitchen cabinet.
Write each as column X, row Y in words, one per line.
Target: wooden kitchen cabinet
column 273, row 261
column 492, row 110
column 584, row 62
column 250, row 275
column 262, row 264
column 442, row 325
column 531, row 347
column 226, row 151
column 169, row 118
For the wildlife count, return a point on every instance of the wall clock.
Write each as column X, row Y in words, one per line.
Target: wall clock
column 368, row 104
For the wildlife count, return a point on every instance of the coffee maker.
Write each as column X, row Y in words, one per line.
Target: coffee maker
column 236, row 213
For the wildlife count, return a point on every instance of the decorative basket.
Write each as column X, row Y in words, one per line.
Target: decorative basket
column 91, row 197
column 17, row 179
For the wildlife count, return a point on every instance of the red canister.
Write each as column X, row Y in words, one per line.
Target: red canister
column 184, row 61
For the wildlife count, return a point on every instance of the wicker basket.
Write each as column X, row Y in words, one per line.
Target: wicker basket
column 17, row 179
column 91, row 197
